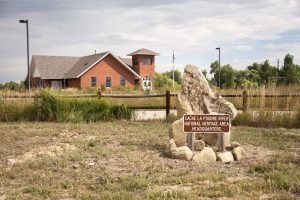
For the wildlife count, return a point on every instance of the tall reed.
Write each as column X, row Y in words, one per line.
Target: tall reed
column 48, row 107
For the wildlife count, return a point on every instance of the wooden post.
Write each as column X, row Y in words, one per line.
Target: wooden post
column 190, row 140
column 221, row 146
column 99, row 93
column 167, row 103
column 35, row 97
column 245, row 101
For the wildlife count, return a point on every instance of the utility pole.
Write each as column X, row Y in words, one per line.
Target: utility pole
column 28, row 67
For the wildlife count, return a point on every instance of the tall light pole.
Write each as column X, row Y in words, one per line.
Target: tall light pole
column 26, row 22
column 173, row 60
column 219, row 49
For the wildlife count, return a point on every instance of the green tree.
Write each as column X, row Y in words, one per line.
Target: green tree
column 240, row 76
column 253, row 76
column 204, row 72
column 214, row 67
column 177, row 75
column 290, row 71
column 227, row 76
column 161, row 81
column 288, row 59
column 254, row 66
column 11, row 85
column 214, row 70
column 266, row 71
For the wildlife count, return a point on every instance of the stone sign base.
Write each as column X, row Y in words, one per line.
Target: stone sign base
column 204, row 154
column 197, row 98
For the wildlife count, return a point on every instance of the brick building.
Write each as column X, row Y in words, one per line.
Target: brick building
column 102, row 70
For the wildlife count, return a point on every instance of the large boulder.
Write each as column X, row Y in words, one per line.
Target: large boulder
column 207, row 155
column 196, row 97
column 182, row 106
column 176, row 133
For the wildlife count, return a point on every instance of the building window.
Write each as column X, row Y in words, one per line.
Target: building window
column 93, row 81
column 135, row 61
column 147, row 61
column 108, row 82
column 122, row 81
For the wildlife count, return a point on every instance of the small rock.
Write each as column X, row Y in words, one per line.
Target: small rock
column 170, row 147
column 207, row 155
column 199, row 145
column 238, row 153
column 91, row 164
column 183, row 153
column 172, row 144
column 11, row 161
column 225, row 156
column 229, row 148
column 232, row 146
column 235, row 144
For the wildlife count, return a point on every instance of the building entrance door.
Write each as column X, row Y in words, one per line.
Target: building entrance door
column 56, row 84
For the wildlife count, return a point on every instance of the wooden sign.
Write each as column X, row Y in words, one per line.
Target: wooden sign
column 205, row 123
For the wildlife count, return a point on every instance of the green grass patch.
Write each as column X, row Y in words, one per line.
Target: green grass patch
column 48, row 107
column 281, row 173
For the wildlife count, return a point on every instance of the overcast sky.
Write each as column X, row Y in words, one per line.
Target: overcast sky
column 246, row 31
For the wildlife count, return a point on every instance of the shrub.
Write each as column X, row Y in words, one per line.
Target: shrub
column 163, row 83
column 297, row 118
column 47, row 106
column 60, row 109
column 242, row 119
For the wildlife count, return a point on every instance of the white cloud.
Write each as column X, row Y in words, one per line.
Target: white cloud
column 242, row 47
column 76, row 28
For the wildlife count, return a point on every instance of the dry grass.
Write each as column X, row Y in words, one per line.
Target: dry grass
column 257, row 104
column 262, row 104
column 125, row 160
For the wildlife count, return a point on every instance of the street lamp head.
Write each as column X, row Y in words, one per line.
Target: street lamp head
column 23, row 21
column 218, row 48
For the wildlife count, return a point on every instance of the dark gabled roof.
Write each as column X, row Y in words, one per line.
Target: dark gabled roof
column 60, row 67
column 51, row 67
column 84, row 63
column 143, row 51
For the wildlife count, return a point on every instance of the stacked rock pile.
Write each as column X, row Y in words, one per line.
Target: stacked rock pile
column 197, row 97
column 203, row 153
